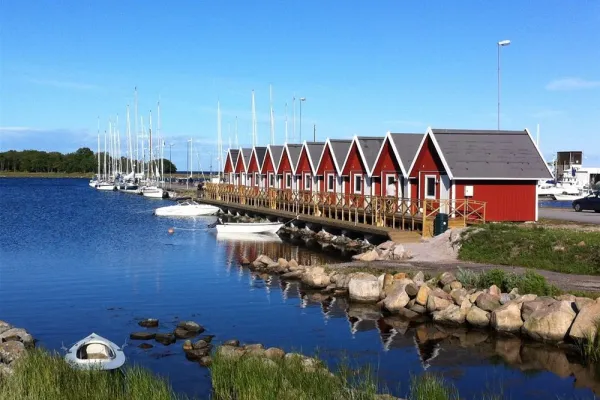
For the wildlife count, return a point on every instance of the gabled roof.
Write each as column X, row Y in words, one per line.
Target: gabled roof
column 368, row 148
column 314, row 150
column 404, row 147
column 275, row 153
column 233, row 156
column 294, row 154
column 245, row 156
column 339, row 150
column 488, row 154
column 260, row 156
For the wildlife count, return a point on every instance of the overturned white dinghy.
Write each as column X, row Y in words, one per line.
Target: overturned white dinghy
column 95, row 352
column 249, row 227
column 188, row 208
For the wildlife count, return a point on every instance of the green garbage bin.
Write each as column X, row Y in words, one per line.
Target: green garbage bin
column 440, row 224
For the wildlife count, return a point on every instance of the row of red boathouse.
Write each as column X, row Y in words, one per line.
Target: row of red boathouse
column 499, row 168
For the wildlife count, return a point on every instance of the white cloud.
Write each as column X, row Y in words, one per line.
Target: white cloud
column 572, row 84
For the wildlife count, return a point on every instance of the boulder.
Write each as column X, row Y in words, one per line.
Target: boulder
column 441, row 294
column 456, row 285
column 11, row 351
column 342, row 281
column 196, row 355
column 388, row 279
column 411, row 289
column 232, row 343
column 530, row 306
column 293, row 275
column 550, row 323
column 473, row 296
column 446, row 278
column 142, row 335
column 505, row 298
column 449, row 315
column 526, row 297
column 386, row 245
column 494, row 291
column 17, row 334
column 487, row 302
column 478, row 317
column 586, row 322
column 423, row 294
column 205, row 361
column 316, row 277
column 507, row 318
column 200, row 344
column 187, row 345
column 581, row 302
column 364, row 287
column 458, row 295
column 244, row 260
column 465, row 306
column 4, row 326
column 419, row 309
column 274, row 353
column 255, row 352
column 148, row 323
column 181, row 333
column 408, row 314
column 254, row 346
column 400, row 253
column 397, row 298
column 190, row 326
column 400, row 275
column 206, row 338
column 435, row 303
column 292, row 264
column 419, row 278
column 369, row 256
column 230, row 352
column 165, row 338
column 283, row 262
column 514, row 293
column 264, row 260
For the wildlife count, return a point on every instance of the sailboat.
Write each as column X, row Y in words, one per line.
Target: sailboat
column 152, row 190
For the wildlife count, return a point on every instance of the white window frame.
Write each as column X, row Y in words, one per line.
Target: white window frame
column 244, row 179
column 256, row 179
column 427, row 196
column 332, row 188
column 288, row 184
column 361, row 183
column 271, row 180
column 307, row 182
column 387, row 178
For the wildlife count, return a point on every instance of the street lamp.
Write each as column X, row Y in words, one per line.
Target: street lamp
column 301, row 100
column 170, row 166
column 501, row 43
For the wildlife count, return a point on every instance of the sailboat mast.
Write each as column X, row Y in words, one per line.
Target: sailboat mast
column 160, row 142
column 98, row 147
column 105, row 157
column 286, row 124
column 254, row 133
column 118, row 146
column 294, row 118
column 151, row 172
column 219, row 144
column 272, row 116
column 143, row 148
column 129, row 145
column 237, row 142
column 137, row 132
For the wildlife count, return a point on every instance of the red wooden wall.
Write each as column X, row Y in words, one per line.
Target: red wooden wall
column 303, row 168
column 354, row 165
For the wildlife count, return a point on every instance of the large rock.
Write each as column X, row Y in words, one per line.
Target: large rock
column 423, row 294
column 386, row 245
column 316, row 277
column 364, row 287
column 142, row 335
column 530, row 306
column 400, row 253
column 478, row 317
column 419, row 278
column 17, row 334
column 507, row 318
column 447, row 278
column 487, row 302
column 342, row 281
column 369, row 256
column 293, row 265
column 165, row 338
column 473, row 296
column 264, row 260
column 4, row 326
column 11, row 351
column 458, row 295
column 495, row 291
column 397, row 298
column 449, row 315
column 581, row 302
column 274, row 353
column 148, row 323
column 181, row 333
column 441, row 294
column 191, row 326
column 550, row 323
column 283, row 262
column 230, row 352
column 435, row 303
column 585, row 325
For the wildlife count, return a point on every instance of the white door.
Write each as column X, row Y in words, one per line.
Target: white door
column 444, row 194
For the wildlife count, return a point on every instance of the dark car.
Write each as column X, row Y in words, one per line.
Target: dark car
column 590, row 202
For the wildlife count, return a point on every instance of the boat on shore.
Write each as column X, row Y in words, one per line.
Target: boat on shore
column 248, row 227
column 186, row 208
column 95, row 352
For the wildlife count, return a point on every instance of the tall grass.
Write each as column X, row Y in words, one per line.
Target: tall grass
column 431, row 387
column 528, row 282
column 561, row 250
column 41, row 375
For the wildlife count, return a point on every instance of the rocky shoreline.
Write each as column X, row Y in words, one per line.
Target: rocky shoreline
column 444, row 300
column 14, row 342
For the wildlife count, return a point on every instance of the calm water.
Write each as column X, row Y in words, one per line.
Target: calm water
column 74, row 261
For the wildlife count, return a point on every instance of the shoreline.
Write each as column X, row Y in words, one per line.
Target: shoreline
column 76, row 175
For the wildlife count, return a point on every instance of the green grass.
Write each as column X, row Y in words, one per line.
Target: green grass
column 41, row 375
column 529, row 282
column 431, row 387
column 550, row 249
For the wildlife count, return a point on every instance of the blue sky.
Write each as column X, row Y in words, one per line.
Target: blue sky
column 365, row 67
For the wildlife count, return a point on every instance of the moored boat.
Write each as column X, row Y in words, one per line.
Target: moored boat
column 248, row 227
column 154, row 192
column 106, row 186
column 187, row 208
column 95, row 352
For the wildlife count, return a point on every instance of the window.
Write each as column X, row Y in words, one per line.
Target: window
column 357, row 183
column 288, row 181
column 330, row 182
column 271, row 180
column 306, row 181
column 430, row 187
column 390, row 185
column 244, row 182
column 256, row 179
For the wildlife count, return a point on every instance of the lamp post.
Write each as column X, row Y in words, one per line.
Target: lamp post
column 170, row 166
column 301, row 100
column 501, row 43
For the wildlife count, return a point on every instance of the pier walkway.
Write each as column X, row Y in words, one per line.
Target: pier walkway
column 397, row 218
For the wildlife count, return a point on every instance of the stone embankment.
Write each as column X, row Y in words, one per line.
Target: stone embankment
column 444, row 299
column 14, row 342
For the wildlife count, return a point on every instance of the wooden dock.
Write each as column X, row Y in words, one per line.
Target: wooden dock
column 402, row 220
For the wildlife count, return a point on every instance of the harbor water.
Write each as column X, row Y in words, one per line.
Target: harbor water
column 74, row 261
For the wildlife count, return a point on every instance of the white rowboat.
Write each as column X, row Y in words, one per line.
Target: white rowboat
column 95, row 352
column 188, row 208
column 249, row 227
column 153, row 192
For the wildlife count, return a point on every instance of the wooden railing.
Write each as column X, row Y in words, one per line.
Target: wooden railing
column 391, row 212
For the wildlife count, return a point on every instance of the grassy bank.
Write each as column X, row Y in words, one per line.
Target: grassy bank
column 45, row 376
column 7, row 174
column 562, row 250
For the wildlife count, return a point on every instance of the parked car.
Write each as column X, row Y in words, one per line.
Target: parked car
column 590, row 202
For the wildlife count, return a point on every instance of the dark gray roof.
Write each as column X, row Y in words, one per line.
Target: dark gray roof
column 234, row 156
column 276, row 154
column 407, row 145
column 260, row 155
column 246, row 153
column 370, row 148
column 294, row 153
column 340, row 150
column 491, row 154
column 314, row 152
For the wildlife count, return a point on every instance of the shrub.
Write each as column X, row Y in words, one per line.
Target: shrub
column 528, row 282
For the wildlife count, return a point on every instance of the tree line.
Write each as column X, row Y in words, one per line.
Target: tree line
column 83, row 160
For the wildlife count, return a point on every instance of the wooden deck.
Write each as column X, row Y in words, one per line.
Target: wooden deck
column 402, row 220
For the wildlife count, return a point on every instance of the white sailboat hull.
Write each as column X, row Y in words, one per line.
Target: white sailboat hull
column 250, row 227
column 95, row 352
column 567, row 197
column 194, row 210
column 93, row 184
column 105, row 187
column 153, row 192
